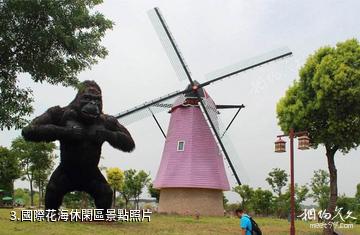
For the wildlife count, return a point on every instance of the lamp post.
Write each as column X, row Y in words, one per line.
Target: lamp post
column 280, row 144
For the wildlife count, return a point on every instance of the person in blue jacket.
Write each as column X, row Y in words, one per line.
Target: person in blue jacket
column 245, row 223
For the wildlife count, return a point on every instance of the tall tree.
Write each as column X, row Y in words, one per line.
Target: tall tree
column 142, row 179
column 52, row 41
column 127, row 190
column 246, row 193
column 277, row 180
column 115, row 178
column 134, row 182
column 36, row 160
column 320, row 188
column 326, row 103
column 9, row 170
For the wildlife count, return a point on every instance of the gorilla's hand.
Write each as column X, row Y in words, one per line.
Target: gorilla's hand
column 51, row 132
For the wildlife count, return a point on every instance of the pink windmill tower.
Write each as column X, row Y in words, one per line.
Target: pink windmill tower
column 191, row 176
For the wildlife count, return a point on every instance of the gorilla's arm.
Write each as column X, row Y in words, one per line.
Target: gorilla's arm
column 117, row 135
column 46, row 126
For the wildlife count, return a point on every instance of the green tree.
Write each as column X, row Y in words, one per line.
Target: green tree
column 127, row 190
column 277, row 180
column 134, row 182
column 115, row 177
column 44, row 166
column 36, row 160
column 282, row 203
column 320, row 188
column 142, row 179
column 357, row 195
column 154, row 192
column 262, row 201
column 9, row 170
column 325, row 102
column 52, row 41
column 246, row 193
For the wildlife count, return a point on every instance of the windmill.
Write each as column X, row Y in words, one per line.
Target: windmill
column 191, row 176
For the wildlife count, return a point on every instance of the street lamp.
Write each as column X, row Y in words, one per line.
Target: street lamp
column 304, row 143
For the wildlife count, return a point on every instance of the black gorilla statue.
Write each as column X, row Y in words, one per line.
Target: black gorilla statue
column 81, row 128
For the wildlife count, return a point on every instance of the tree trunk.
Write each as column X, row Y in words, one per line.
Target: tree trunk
column 31, row 193
column 126, row 202
column 330, row 153
column 40, row 193
column 12, row 191
column 114, row 198
column 40, row 196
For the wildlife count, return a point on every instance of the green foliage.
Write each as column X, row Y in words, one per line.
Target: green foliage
column 154, row 192
column 277, row 180
column 326, row 99
column 357, row 195
column 301, row 194
column 142, row 179
column 127, row 190
column 9, row 170
column 282, row 203
column 115, row 178
column 320, row 188
column 50, row 40
column 134, row 182
column 262, row 201
column 36, row 161
column 246, row 193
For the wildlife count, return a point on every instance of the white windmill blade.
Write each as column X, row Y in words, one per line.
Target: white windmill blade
column 228, row 150
column 234, row 156
column 169, row 44
column 147, row 109
column 247, row 64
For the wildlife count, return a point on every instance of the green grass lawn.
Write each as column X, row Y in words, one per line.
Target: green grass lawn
column 159, row 224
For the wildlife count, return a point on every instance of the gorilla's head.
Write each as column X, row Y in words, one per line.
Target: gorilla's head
column 88, row 101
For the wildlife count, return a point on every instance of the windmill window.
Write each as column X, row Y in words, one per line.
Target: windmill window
column 181, row 145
